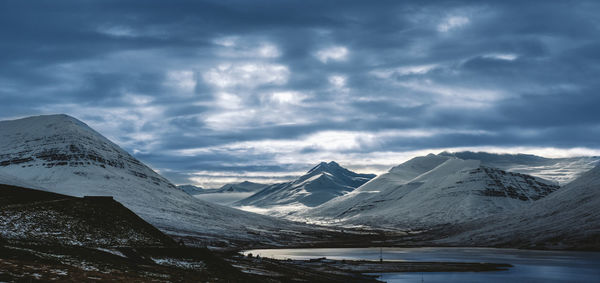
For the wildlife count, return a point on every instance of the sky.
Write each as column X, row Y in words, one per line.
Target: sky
column 210, row 92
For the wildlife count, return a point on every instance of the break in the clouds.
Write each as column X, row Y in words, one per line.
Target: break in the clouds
column 216, row 91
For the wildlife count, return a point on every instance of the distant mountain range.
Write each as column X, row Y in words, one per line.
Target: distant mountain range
column 225, row 195
column 243, row 187
column 433, row 190
column 320, row 184
column 463, row 198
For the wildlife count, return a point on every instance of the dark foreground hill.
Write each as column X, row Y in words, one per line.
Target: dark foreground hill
column 47, row 236
column 52, row 237
column 38, row 216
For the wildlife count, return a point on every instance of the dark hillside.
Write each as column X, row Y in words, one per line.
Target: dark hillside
column 43, row 217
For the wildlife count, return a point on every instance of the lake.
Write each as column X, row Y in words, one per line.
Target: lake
column 529, row 266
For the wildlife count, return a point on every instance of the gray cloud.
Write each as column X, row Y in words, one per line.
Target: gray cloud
column 267, row 86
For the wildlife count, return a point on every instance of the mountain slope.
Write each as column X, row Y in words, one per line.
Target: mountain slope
column 454, row 191
column 567, row 218
column 561, row 170
column 320, row 184
column 34, row 216
column 61, row 154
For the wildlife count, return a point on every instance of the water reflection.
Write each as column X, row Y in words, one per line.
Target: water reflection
column 529, row 266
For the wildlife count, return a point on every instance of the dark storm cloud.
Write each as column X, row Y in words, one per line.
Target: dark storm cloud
column 258, row 85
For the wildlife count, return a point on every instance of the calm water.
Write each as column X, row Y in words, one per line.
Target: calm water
column 529, row 266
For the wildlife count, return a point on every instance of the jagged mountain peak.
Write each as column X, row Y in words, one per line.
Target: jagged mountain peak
column 330, row 167
column 320, row 184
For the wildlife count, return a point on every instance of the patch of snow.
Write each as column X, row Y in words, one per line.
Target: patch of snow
column 184, row 264
column 112, row 251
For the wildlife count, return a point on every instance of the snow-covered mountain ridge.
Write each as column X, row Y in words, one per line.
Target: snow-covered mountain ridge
column 60, row 154
column 320, row 184
column 566, row 219
column 454, row 191
column 242, row 187
column 561, row 170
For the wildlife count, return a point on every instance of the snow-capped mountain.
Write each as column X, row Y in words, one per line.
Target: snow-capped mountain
column 60, row 154
column 561, row 170
column 191, row 189
column 320, row 184
column 243, row 187
column 568, row 218
column 442, row 190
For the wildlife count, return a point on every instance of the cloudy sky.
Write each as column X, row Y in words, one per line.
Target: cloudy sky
column 217, row 91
